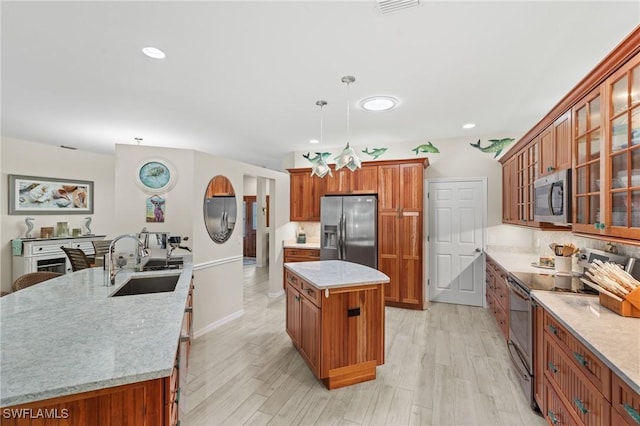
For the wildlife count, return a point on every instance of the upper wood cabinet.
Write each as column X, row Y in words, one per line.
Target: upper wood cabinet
column 305, row 193
column 510, row 192
column 607, row 170
column 555, row 146
column 361, row 181
column 220, row 186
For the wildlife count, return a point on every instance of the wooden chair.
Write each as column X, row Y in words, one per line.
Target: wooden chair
column 100, row 248
column 77, row 257
column 27, row 280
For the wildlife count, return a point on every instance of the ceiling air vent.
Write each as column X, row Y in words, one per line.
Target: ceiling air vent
column 389, row 6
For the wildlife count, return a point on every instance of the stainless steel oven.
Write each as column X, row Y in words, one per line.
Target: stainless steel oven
column 520, row 342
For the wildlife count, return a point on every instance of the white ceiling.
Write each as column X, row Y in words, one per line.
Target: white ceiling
column 241, row 78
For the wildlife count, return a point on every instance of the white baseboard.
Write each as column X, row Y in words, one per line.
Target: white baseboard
column 216, row 324
column 276, row 294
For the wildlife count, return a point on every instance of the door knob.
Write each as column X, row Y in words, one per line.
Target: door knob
column 478, row 250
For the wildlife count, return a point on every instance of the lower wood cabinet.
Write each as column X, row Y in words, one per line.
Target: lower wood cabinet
column 301, row 255
column 340, row 337
column 497, row 295
column 577, row 388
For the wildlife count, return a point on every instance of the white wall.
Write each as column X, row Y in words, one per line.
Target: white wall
column 35, row 159
column 218, row 273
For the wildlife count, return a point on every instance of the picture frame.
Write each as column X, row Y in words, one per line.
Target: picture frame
column 156, row 176
column 34, row 195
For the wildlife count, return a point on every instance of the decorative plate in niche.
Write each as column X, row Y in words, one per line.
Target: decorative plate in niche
column 156, row 176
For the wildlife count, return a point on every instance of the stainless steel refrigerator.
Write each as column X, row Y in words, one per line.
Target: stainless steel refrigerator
column 348, row 229
column 220, row 217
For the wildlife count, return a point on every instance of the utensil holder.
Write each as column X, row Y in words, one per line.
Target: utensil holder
column 563, row 263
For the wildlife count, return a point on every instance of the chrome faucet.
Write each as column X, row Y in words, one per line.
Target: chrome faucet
column 141, row 252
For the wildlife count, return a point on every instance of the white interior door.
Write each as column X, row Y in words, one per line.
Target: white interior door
column 457, row 221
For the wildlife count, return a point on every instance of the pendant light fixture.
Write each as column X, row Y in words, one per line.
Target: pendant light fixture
column 348, row 155
column 320, row 168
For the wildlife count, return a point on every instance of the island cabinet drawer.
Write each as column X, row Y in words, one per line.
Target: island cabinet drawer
column 556, row 413
column 579, row 394
column 311, row 293
column 582, row 358
column 292, row 279
column 625, row 401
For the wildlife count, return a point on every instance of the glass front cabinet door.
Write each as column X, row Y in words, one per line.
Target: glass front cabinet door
column 622, row 91
column 587, row 182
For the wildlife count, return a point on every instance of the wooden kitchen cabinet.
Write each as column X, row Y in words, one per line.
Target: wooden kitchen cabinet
column 220, row 187
column 339, row 332
column 580, row 388
column 587, row 182
column 400, row 210
column 497, row 294
column 361, row 181
column 625, row 403
column 301, row 255
column 305, row 194
column 510, row 192
column 555, row 146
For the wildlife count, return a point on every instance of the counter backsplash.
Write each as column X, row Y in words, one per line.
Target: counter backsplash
column 542, row 239
column 311, row 229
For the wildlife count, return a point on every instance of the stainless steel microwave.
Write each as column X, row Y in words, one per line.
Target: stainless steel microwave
column 552, row 198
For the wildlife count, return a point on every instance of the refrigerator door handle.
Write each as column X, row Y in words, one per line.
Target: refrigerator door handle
column 344, row 236
column 340, row 237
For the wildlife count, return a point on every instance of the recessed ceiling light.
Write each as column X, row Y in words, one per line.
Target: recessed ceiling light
column 379, row 103
column 314, row 141
column 469, row 126
column 154, row 52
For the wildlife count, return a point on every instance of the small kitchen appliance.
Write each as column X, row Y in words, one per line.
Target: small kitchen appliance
column 552, row 198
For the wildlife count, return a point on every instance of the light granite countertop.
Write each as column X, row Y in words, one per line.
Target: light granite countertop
column 517, row 261
column 326, row 274
column 612, row 338
column 66, row 336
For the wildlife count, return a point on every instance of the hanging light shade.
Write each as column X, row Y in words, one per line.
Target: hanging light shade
column 348, row 157
column 320, row 167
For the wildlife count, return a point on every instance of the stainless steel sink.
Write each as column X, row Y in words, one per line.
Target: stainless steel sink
column 145, row 285
column 162, row 264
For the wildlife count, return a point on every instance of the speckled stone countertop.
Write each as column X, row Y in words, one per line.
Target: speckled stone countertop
column 66, row 336
column 517, row 261
column 612, row 338
column 336, row 273
column 309, row 245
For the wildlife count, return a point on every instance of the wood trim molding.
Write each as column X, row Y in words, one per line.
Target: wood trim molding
column 624, row 51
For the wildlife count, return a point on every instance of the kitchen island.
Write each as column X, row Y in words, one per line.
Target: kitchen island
column 70, row 348
column 335, row 318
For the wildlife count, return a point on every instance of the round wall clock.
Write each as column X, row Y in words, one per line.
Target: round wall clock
column 156, row 176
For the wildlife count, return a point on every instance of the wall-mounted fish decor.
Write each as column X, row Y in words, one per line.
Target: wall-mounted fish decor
column 495, row 145
column 426, row 147
column 375, row 152
column 316, row 159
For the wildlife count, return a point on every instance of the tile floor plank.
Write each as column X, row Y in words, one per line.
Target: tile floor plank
column 445, row 365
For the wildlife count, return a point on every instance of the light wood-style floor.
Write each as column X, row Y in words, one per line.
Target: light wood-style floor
column 447, row 365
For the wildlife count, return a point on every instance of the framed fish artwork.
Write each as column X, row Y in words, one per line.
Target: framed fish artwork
column 156, row 176
column 41, row 195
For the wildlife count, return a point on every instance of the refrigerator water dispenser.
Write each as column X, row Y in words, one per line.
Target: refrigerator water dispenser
column 330, row 237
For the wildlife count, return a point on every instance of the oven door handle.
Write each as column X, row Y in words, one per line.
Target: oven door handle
column 516, row 289
column 511, row 348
